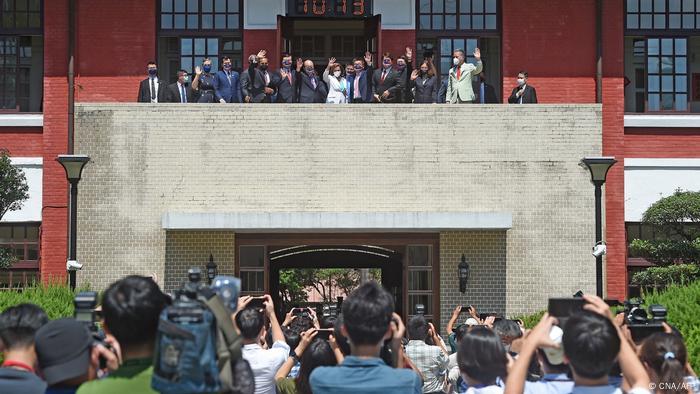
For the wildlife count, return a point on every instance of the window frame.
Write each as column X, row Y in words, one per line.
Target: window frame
column 434, row 283
column 199, row 30
column 24, row 263
column 240, row 269
column 666, row 14
column 420, row 32
column 23, row 31
column 660, row 75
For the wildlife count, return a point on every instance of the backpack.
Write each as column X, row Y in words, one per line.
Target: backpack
column 198, row 350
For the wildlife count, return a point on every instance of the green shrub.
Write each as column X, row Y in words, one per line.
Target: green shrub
column 664, row 276
column 531, row 321
column 683, row 305
column 666, row 252
column 55, row 299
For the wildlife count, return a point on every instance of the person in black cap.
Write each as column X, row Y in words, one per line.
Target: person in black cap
column 17, row 327
column 64, row 348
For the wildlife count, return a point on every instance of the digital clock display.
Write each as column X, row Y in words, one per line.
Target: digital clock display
column 330, row 8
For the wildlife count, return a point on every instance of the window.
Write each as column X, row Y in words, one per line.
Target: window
column 667, row 74
column 21, row 56
column 449, row 45
column 194, row 50
column 23, row 241
column 420, row 279
column 200, row 15
column 252, row 269
column 663, row 14
column 457, row 15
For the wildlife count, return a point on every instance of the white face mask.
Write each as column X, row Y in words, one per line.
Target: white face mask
column 521, row 81
column 455, row 61
column 337, row 74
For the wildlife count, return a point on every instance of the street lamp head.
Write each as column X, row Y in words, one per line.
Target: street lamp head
column 212, row 268
column 73, row 164
column 598, row 166
column 463, row 272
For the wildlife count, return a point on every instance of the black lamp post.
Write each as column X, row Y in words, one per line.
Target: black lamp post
column 598, row 166
column 463, row 269
column 212, row 269
column 73, row 164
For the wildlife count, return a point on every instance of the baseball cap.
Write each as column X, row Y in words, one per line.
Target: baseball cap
column 63, row 350
column 555, row 356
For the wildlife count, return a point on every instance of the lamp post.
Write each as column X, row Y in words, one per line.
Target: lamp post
column 212, row 269
column 598, row 167
column 463, row 272
column 73, row 165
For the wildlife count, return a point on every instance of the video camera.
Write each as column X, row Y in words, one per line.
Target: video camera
column 192, row 291
column 641, row 323
column 85, row 303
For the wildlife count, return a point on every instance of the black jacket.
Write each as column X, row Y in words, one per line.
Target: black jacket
column 253, row 85
column 426, row 89
column 306, row 91
column 392, row 83
column 145, row 91
column 529, row 96
column 489, row 93
column 172, row 94
column 286, row 91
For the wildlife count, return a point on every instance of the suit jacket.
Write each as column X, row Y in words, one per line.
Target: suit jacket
column 405, row 80
column 461, row 89
column 489, row 93
column 145, row 91
column 286, row 91
column 364, row 85
column 442, row 92
column 426, row 89
column 529, row 96
column 173, row 95
column 392, row 83
column 229, row 91
column 306, row 91
column 253, row 85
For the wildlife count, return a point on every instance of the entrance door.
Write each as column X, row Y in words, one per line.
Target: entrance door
column 342, row 264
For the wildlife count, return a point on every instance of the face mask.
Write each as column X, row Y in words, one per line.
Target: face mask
column 387, row 63
column 185, row 79
column 336, row 74
column 309, row 70
column 227, row 66
column 287, row 63
column 350, row 71
column 423, row 71
column 152, row 72
column 400, row 66
column 206, row 68
column 358, row 67
column 263, row 67
column 455, row 61
column 521, row 81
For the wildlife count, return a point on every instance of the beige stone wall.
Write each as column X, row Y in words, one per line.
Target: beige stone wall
column 148, row 160
column 187, row 249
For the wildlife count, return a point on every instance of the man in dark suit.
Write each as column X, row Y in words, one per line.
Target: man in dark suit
column 359, row 78
column 151, row 89
column 386, row 82
column 256, row 86
column 485, row 93
column 180, row 91
column 285, row 80
column 310, row 87
column 227, row 85
column 523, row 93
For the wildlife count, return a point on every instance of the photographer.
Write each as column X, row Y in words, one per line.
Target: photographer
column 430, row 360
column 264, row 362
column 131, row 309
column 18, row 324
column 311, row 352
column 592, row 344
column 666, row 360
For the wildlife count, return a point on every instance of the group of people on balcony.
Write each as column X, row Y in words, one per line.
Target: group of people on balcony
column 395, row 81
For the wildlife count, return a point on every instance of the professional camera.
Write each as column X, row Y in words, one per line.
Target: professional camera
column 85, row 303
column 329, row 310
column 641, row 322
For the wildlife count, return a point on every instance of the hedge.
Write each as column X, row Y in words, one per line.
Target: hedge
column 55, row 299
column 663, row 276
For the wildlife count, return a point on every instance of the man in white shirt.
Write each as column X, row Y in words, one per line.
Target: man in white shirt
column 430, row 360
column 263, row 362
column 151, row 89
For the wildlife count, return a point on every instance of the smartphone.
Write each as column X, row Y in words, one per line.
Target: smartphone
column 301, row 312
column 466, row 308
column 562, row 308
column 324, row 333
column 257, row 302
column 483, row 316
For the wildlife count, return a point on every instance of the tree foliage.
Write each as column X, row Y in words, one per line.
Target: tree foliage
column 677, row 219
column 328, row 282
column 13, row 192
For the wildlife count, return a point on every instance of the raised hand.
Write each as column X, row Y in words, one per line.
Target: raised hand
column 262, row 53
column 414, row 76
column 300, row 64
column 477, row 54
column 331, row 61
column 306, row 338
column 198, row 70
column 368, row 57
column 409, row 53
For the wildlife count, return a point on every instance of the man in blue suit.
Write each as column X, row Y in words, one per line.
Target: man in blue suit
column 227, row 85
column 360, row 80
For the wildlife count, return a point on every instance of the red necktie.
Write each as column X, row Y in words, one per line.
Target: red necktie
column 383, row 76
column 459, row 72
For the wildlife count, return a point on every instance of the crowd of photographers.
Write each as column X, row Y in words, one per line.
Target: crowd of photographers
column 207, row 339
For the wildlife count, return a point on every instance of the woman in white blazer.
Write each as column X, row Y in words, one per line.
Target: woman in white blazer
column 337, row 85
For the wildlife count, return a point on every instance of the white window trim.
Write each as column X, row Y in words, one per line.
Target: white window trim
column 21, row 120
column 662, row 121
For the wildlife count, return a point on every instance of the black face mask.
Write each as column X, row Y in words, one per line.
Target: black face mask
column 263, row 67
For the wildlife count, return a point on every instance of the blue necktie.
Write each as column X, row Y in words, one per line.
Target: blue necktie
column 183, row 95
column 481, row 93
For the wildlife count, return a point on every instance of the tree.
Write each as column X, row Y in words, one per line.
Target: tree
column 328, row 282
column 677, row 219
column 13, row 192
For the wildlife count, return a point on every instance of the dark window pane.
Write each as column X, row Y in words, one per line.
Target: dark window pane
column 233, row 5
column 667, row 83
column 689, row 21
column 32, row 252
column 186, row 46
column 425, row 22
column 437, row 22
column 193, row 6
column 633, row 6
column 179, row 5
column 252, row 256
column 233, row 21
column 491, row 6
column 186, row 63
column 660, row 21
column 200, row 46
column 420, row 280
column 490, row 22
column 674, row 5
column 220, row 5
column 681, row 66
column 5, row 234
column 32, row 233
column 654, row 83
column 654, row 102
column 674, row 21
column 425, row 6
column 465, row 6
column 653, row 46
column 212, row 46
column 207, row 5
column 645, row 5
column 666, row 102
column 681, row 102
column 659, row 5
column 450, row 7
column 8, row 20
column 166, row 5
column 252, row 281
column 21, row 20
column 219, row 21
column 477, row 6
column 681, row 84
column 438, row 6
column 666, row 65
column 450, row 22
column 166, row 22
column 680, row 46
column 193, row 21
column 418, row 255
column 34, row 20
column 179, row 21
column 34, row 5
column 207, row 21
column 688, row 5
column 21, row 5
column 477, row 22
column 645, row 21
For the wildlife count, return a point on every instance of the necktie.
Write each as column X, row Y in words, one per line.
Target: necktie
column 153, row 90
column 313, row 82
column 459, row 72
column 183, row 95
column 383, row 76
column 482, row 93
column 289, row 75
column 267, row 78
column 228, row 75
column 356, row 87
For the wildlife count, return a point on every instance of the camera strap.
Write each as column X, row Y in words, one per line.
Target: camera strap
column 225, row 325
